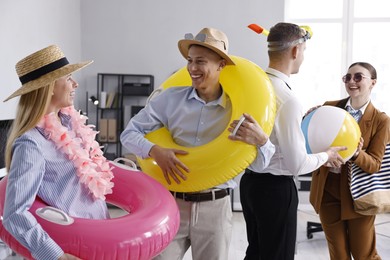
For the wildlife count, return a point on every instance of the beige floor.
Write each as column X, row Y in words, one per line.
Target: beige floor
column 314, row 248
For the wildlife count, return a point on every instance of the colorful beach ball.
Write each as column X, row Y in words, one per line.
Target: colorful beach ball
column 329, row 126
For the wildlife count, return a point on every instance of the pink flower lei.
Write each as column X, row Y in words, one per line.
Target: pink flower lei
column 80, row 146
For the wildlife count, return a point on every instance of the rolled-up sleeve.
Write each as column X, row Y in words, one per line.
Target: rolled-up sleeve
column 133, row 137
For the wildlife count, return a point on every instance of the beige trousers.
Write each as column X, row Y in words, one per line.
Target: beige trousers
column 206, row 227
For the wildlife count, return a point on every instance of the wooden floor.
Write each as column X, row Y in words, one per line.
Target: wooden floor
column 314, row 248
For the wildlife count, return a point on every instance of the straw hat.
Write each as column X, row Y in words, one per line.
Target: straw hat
column 43, row 67
column 210, row 38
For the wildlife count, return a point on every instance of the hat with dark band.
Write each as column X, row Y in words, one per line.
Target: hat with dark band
column 43, row 67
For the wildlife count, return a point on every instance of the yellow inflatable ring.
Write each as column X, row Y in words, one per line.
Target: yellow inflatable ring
column 211, row 164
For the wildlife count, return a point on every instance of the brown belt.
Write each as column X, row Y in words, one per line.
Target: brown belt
column 201, row 196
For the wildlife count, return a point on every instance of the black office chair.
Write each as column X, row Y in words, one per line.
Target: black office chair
column 313, row 227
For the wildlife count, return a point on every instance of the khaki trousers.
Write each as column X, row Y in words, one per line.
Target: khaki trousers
column 206, row 227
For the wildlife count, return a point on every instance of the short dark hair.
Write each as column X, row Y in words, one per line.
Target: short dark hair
column 284, row 32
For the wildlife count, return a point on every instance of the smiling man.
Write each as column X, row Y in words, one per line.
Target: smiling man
column 194, row 115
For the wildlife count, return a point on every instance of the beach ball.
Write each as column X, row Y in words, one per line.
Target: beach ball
column 329, row 126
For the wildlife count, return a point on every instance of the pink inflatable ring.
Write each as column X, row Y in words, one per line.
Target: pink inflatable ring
column 151, row 224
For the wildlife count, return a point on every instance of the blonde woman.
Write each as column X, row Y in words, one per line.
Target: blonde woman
column 47, row 146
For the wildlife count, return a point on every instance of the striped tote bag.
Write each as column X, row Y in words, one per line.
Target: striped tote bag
column 371, row 192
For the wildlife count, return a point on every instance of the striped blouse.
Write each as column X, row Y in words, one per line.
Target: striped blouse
column 39, row 169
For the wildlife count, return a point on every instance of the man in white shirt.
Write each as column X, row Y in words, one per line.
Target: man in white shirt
column 269, row 197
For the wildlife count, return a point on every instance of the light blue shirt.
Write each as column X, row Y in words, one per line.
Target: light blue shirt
column 38, row 168
column 190, row 120
column 362, row 109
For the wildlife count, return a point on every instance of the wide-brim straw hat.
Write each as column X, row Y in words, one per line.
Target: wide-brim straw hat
column 42, row 68
column 210, row 38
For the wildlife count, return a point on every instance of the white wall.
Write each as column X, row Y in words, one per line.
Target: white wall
column 140, row 37
column 27, row 26
column 123, row 36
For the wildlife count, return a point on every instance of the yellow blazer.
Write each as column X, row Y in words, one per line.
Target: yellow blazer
column 375, row 128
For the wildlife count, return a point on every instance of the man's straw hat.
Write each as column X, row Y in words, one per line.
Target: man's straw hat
column 43, row 67
column 210, row 38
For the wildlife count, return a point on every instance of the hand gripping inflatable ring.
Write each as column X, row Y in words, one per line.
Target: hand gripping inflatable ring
column 150, row 226
column 250, row 91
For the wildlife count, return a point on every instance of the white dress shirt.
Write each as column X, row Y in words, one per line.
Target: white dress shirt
column 290, row 156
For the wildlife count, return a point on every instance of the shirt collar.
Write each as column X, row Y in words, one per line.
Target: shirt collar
column 221, row 101
column 279, row 75
column 65, row 121
column 363, row 108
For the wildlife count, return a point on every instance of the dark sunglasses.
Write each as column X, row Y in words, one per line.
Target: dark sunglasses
column 356, row 77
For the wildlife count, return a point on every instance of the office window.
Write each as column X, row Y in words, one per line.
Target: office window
column 308, row 9
column 343, row 32
column 371, row 9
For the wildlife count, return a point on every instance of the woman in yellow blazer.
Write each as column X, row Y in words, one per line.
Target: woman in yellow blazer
column 347, row 232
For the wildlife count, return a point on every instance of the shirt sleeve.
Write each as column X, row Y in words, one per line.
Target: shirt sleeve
column 24, row 179
column 292, row 141
column 147, row 120
column 264, row 155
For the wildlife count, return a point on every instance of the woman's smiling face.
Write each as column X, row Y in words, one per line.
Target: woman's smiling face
column 63, row 92
column 361, row 89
